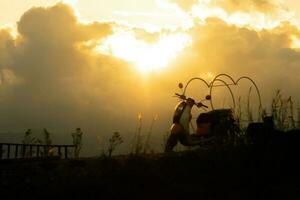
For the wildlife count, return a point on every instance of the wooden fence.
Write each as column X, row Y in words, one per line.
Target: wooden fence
column 15, row 151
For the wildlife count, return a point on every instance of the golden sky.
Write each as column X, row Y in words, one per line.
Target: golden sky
column 152, row 13
column 96, row 64
column 136, row 12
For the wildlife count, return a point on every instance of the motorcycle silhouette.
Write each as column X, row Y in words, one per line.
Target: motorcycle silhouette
column 216, row 126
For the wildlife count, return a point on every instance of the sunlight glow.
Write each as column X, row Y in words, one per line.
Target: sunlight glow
column 145, row 56
column 70, row 2
column 209, row 75
column 295, row 42
column 254, row 19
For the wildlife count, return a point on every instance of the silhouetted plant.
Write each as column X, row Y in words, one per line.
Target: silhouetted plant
column 137, row 143
column 240, row 124
column 238, row 115
column 249, row 111
column 165, row 140
column 298, row 116
column 147, row 145
column 114, row 142
column 27, row 140
column 141, row 143
column 291, row 117
column 283, row 112
column 47, row 141
column 77, row 141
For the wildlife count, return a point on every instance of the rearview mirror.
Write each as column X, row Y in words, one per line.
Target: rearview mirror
column 180, row 85
column 208, row 97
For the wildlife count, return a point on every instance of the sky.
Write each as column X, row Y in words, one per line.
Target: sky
column 99, row 65
column 151, row 14
column 147, row 13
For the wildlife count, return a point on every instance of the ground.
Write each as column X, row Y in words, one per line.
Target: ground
column 228, row 172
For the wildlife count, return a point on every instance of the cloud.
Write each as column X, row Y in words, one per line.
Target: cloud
column 60, row 81
column 264, row 6
column 184, row 4
column 257, row 14
column 265, row 55
column 48, row 37
column 6, row 47
column 142, row 34
column 52, row 77
column 232, row 5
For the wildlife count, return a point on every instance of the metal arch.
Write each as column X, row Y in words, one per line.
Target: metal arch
column 197, row 78
column 257, row 90
column 216, row 77
column 228, row 87
column 235, row 83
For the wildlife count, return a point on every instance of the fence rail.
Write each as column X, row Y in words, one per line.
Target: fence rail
column 15, row 150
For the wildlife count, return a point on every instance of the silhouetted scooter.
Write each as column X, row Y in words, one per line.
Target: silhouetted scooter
column 216, row 126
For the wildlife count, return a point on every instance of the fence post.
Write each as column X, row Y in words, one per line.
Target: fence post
column 8, row 151
column 66, row 152
column 45, row 151
column 30, row 151
column 24, row 150
column 1, row 151
column 16, row 151
column 59, row 151
column 37, row 150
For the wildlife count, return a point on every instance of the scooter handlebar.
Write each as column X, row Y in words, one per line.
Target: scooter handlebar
column 183, row 97
column 201, row 105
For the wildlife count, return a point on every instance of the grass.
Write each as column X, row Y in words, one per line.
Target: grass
column 283, row 112
column 137, row 140
column 298, row 116
column 231, row 171
column 148, row 136
column 141, row 141
column 227, row 172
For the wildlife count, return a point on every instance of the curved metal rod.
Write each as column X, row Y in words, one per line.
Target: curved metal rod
column 200, row 79
column 228, row 87
column 211, row 85
column 257, row 90
column 216, row 77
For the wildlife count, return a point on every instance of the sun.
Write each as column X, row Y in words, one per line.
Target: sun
column 146, row 57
